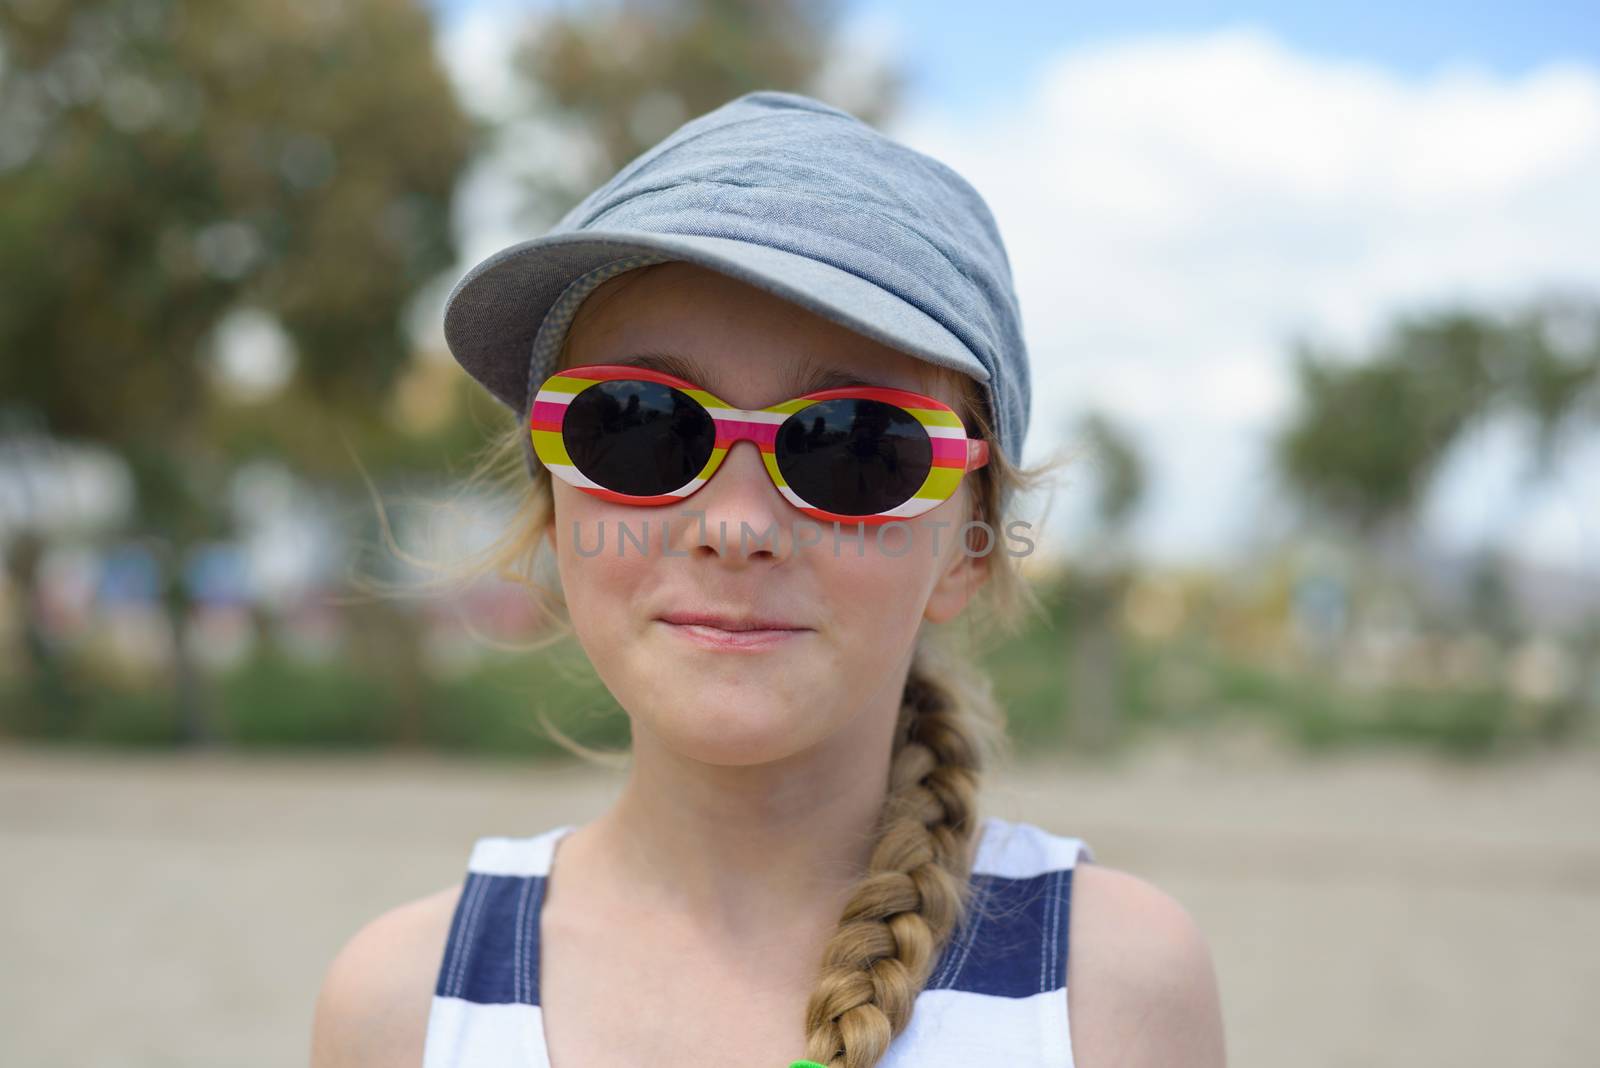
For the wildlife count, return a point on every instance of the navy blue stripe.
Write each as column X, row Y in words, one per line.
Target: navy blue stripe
column 492, row 968
column 1012, row 944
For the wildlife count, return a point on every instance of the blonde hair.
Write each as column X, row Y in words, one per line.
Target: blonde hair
column 916, row 890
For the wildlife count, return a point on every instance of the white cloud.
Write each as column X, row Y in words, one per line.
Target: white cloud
column 1176, row 208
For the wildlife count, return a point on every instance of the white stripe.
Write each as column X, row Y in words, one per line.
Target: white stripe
column 553, row 396
column 515, row 856
column 948, row 1029
column 749, row 417
column 779, row 417
column 959, row 1029
column 792, row 497
column 1021, row 850
column 913, row 506
column 572, row 475
column 1009, row 849
column 464, row 1033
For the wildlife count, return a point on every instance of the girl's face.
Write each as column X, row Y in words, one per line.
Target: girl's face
column 836, row 679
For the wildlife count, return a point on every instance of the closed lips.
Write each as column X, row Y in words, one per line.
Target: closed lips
column 690, row 619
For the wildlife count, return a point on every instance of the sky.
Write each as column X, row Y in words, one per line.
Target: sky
column 967, row 56
column 1184, row 192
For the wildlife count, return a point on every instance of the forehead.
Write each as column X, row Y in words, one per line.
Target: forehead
column 747, row 345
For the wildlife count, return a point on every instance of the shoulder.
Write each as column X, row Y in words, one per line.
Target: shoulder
column 378, row 990
column 1141, row 984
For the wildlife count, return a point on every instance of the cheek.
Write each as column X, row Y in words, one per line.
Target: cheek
column 598, row 588
column 597, row 582
column 877, row 596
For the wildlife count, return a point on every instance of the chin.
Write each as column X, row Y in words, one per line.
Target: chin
column 727, row 728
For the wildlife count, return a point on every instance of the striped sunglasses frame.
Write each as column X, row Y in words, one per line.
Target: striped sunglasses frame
column 953, row 452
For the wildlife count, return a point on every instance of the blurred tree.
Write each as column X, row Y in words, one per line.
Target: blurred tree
column 1096, row 586
column 619, row 77
column 168, row 166
column 1371, row 433
column 1553, row 371
column 1120, row 478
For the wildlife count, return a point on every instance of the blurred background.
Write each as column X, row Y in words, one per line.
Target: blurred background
column 1313, row 299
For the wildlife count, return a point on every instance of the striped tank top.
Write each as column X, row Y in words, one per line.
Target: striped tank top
column 997, row 995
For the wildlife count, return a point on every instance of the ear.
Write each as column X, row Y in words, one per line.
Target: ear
column 962, row 577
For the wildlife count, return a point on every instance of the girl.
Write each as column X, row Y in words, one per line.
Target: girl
column 771, row 390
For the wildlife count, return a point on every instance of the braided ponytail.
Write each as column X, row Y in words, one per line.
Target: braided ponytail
column 917, row 889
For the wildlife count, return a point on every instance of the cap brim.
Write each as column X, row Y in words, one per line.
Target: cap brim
column 493, row 313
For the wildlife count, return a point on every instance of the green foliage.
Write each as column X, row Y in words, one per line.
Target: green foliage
column 495, row 710
column 1182, row 684
column 1189, row 683
column 184, row 158
column 1028, row 676
column 1120, row 477
column 1363, row 448
column 273, row 701
column 1320, row 713
column 92, row 712
column 624, row 75
column 165, row 164
column 1371, row 432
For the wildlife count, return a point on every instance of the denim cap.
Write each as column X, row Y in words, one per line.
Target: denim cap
column 791, row 195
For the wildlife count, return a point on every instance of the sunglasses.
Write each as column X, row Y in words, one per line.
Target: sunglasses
column 859, row 454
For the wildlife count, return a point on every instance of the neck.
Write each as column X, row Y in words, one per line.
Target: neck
column 738, row 851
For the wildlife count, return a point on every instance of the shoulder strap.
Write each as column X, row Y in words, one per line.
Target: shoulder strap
column 1013, row 941
column 492, row 953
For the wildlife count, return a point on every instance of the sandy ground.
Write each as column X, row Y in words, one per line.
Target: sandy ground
column 170, row 910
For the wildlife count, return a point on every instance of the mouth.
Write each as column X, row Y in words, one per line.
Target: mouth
column 731, row 634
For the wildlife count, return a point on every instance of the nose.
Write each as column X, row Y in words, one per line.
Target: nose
column 738, row 515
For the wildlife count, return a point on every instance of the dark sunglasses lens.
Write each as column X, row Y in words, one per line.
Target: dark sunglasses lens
column 854, row 456
column 638, row 437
